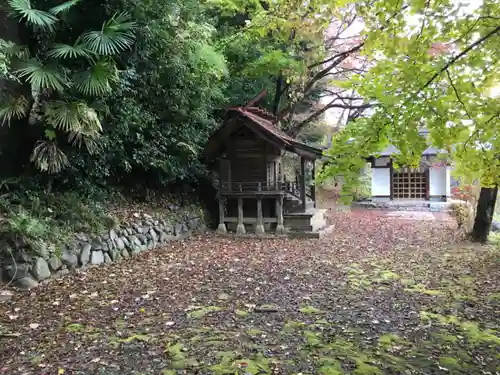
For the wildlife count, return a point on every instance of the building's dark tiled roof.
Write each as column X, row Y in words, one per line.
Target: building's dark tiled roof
column 268, row 123
column 265, row 120
column 391, row 150
column 262, row 113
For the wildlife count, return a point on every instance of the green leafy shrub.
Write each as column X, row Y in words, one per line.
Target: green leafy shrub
column 364, row 188
column 22, row 234
column 22, row 224
column 33, row 220
column 464, row 214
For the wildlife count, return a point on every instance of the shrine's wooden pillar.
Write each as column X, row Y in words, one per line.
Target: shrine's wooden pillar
column 259, row 227
column 302, row 183
column 240, row 227
column 222, row 200
column 280, row 228
column 222, row 225
column 313, row 186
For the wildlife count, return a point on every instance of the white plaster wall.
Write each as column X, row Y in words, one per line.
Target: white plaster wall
column 439, row 181
column 448, row 181
column 381, row 181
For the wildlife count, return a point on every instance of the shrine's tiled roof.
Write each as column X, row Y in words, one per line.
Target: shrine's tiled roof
column 269, row 124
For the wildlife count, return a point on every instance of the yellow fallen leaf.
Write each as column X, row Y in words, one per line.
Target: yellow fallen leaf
column 142, row 310
column 61, row 371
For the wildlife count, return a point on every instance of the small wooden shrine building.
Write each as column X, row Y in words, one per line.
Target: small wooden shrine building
column 253, row 194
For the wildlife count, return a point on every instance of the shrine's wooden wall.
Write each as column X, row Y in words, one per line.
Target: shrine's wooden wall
column 249, row 158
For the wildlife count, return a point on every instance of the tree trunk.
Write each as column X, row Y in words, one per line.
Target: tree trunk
column 484, row 214
column 277, row 95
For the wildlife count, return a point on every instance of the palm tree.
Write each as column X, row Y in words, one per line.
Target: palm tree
column 59, row 96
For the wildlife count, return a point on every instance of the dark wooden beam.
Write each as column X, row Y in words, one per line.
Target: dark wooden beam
column 280, row 228
column 391, row 179
column 251, row 194
column 222, row 225
column 256, row 99
column 427, row 184
column 303, row 183
column 240, row 228
column 229, row 181
column 313, row 187
column 308, row 153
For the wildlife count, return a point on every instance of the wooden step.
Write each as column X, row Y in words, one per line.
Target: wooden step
column 300, row 228
column 296, row 206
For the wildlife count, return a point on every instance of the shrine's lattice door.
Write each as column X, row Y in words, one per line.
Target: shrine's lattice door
column 410, row 183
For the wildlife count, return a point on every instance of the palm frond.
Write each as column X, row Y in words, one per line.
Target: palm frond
column 77, row 139
column 35, row 17
column 100, row 107
column 88, row 130
column 16, row 108
column 115, row 36
column 96, row 80
column 89, row 125
column 48, row 157
column 64, row 7
column 91, row 145
column 75, row 117
column 121, row 21
column 41, row 76
column 10, row 49
column 62, row 115
column 65, row 51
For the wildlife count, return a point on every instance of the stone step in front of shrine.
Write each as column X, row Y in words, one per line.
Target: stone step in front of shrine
column 395, row 205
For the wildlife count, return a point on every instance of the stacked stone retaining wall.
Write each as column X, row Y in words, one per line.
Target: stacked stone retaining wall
column 143, row 233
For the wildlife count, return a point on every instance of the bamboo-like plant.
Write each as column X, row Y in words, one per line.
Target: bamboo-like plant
column 60, row 96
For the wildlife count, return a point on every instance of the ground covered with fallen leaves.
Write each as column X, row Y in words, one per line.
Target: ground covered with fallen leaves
column 378, row 295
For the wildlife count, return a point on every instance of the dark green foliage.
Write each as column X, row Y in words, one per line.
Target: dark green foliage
column 163, row 109
column 163, row 100
column 34, row 219
column 244, row 82
column 134, row 120
column 57, row 66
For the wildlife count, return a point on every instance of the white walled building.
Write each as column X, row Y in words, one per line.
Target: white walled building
column 431, row 181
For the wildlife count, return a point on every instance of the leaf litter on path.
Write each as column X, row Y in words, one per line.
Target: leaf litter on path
column 378, row 295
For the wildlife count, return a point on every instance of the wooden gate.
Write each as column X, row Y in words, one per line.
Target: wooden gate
column 410, row 183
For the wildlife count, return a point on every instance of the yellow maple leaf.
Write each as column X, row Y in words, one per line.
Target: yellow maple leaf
column 61, row 371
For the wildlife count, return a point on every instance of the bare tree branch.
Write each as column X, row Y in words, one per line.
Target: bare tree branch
column 298, row 127
column 427, row 4
column 457, row 94
column 337, row 56
column 290, row 109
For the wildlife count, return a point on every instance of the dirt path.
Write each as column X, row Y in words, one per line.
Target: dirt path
column 380, row 295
